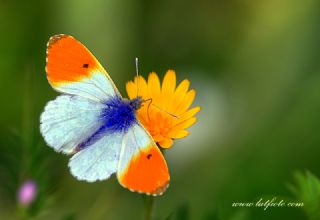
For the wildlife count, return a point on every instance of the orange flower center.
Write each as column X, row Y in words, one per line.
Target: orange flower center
column 158, row 124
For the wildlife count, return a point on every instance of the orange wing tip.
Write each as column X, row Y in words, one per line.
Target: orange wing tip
column 70, row 61
column 146, row 173
column 160, row 190
column 55, row 38
column 157, row 192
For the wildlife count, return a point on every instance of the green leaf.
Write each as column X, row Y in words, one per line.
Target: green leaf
column 306, row 189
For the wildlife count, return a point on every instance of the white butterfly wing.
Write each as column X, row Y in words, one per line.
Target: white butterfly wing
column 69, row 120
column 99, row 160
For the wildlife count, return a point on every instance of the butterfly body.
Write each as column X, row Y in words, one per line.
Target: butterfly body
column 117, row 116
column 119, row 113
column 92, row 122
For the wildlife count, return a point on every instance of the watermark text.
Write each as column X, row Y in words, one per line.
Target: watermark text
column 268, row 203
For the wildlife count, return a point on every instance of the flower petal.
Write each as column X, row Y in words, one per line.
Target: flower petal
column 169, row 83
column 154, row 84
column 167, row 89
column 166, row 143
column 186, row 102
column 179, row 134
column 178, row 95
column 131, row 89
column 188, row 114
column 155, row 89
column 182, row 89
column 158, row 137
column 185, row 124
column 143, row 117
column 142, row 88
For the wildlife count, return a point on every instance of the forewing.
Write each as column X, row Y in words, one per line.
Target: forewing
column 69, row 120
column 142, row 166
column 99, row 160
column 72, row 69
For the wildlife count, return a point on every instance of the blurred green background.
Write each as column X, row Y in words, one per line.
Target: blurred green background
column 255, row 66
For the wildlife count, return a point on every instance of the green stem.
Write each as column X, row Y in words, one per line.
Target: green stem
column 148, row 206
column 22, row 212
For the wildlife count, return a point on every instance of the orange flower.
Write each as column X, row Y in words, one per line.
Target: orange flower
column 168, row 115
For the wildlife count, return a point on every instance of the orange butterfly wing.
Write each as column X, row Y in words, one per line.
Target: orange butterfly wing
column 142, row 166
column 69, row 60
column 71, row 68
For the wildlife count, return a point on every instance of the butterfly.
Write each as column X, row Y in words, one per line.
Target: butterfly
column 91, row 121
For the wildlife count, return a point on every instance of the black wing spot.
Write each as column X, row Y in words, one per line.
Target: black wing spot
column 149, row 156
column 85, row 65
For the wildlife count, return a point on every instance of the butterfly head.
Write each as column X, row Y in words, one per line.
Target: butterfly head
column 136, row 103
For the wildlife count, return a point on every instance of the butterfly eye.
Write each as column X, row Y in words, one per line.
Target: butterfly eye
column 136, row 103
column 149, row 156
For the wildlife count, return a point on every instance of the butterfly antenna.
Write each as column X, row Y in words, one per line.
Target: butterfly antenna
column 150, row 101
column 161, row 109
column 137, row 74
column 158, row 107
